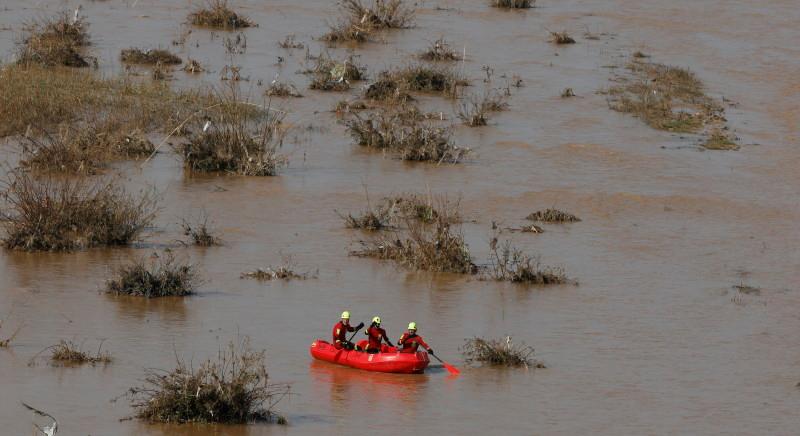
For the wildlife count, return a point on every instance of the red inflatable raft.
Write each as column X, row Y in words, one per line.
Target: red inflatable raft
column 390, row 360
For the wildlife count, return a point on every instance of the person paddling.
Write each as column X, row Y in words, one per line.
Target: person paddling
column 411, row 341
column 340, row 332
column 376, row 334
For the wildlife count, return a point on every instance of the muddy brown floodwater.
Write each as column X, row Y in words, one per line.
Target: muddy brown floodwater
column 654, row 340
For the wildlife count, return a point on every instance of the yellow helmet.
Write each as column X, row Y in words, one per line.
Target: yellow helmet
column 376, row 320
column 412, row 325
column 345, row 315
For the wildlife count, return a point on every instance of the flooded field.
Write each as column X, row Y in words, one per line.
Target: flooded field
column 653, row 338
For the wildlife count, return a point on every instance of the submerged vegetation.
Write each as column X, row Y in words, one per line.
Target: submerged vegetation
column 283, row 272
column 48, row 214
column 561, row 38
column 551, row 215
column 512, row 265
column 200, row 233
column 331, row 75
column 513, row 4
column 359, row 19
column 54, row 41
column 68, row 352
column 474, row 111
column 218, row 15
column 499, row 353
column 440, row 50
column 405, row 134
column 672, row 99
column 149, row 57
column 282, row 89
column 158, row 277
column 233, row 388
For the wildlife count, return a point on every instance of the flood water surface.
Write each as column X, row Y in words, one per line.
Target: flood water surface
column 653, row 338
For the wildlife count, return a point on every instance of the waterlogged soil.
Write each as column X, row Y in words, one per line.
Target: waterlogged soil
column 653, row 340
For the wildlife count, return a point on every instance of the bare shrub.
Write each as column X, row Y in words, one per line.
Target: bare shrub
column 233, row 388
column 161, row 276
column 510, row 264
column 359, row 20
column 57, row 215
column 200, row 233
column 218, row 15
column 499, row 353
column 474, row 110
column 440, row 50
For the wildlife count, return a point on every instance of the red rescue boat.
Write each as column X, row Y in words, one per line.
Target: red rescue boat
column 388, row 360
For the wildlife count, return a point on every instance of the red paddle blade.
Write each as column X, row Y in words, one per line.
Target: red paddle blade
column 451, row 369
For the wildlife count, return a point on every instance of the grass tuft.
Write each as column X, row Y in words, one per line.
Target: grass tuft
column 199, row 232
column 360, row 20
column 68, row 352
column 48, row 214
column 218, row 15
column 474, row 111
column 499, row 353
column 282, row 89
column 552, row 216
column 510, row 264
column 438, row 51
column 159, row 277
column 55, row 41
column 233, row 388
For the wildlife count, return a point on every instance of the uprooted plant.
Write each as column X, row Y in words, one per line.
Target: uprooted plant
column 360, row 20
column 233, row 388
column 159, row 276
column 218, row 15
column 499, row 352
column 56, row 214
column 236, row 137
column 54, row 41
column 405, row 133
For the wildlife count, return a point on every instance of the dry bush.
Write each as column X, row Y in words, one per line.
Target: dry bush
column 233, row 388
column 149, row 57
column 370, row 219
column 499, row 353
column 57, row 215
column 359, row 20
column 405, row 134
column 440, row 50
column 430, row 247
column 513, row 4
column 512, row 265
column 561, row 38
column 474, row 110
column 68, row 352
column 236, row 137
column 161, row 276
column 218, row 15
column 282, row 89
column 669, row 98
column 200, row 233
column 43, row 98
column 55, row 41
column 83, row 150
column 551, row 215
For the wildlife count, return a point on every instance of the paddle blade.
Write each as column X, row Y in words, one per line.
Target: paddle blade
column 451, row 369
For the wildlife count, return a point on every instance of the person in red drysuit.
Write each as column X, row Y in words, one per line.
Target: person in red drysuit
column 411, row 341
column 376, row 334
column 340, row 332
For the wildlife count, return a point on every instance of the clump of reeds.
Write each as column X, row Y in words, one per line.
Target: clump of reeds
column 371, row 219
column 513, row 4
column 474, row 111
column 405, row 134
column 332, row 75
column 426, row 78
column 56, row 41
column 218, row 15
column 425, row 208
column 387, row 88
column 236, row 140
column 55, row 214
column 431, row 247
column 510, row 264
column 290, row 43
column 359, row 20
column 200, row 233
column 160, row 276
column 282, row 89
column 233, row 388
column 85, row 149
column 149, row 57
column 669, row 98
column 561, row 38
column 68, row 352
column 440, row 50
column 499, row 353
column 193, row 67
column 551, row 215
